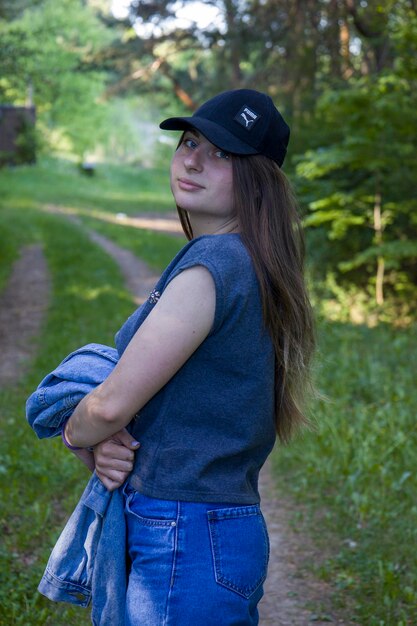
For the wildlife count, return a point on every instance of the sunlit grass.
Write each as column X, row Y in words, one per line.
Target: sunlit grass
column 157, row 249
column 126, row 189
column 359, row 469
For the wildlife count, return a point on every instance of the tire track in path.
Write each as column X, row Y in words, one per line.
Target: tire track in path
column 23, row 305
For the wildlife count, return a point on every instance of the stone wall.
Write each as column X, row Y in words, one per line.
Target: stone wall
column 17, row 140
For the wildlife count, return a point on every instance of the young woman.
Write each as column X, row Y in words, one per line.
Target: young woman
column 211, row 367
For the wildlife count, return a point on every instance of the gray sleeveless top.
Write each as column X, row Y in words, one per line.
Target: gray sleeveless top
column 205, row 435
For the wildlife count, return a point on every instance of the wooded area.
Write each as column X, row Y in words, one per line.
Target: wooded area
column 343, row 72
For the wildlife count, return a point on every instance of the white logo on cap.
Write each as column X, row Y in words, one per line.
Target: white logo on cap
column 247, row 118
column 247, row 112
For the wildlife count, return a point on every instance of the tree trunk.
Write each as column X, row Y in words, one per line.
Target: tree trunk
column 301, row 57
column 234, row 43
column 179, row 91
column 334, row 39
column 375, row 34
column 379, row 293
column 345, row 49
column 380, row 269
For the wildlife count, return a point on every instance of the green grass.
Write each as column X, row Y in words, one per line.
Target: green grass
column 157, row 249
column 41, row 481
column 126, row 189
column 358, row 472
column 356, row 475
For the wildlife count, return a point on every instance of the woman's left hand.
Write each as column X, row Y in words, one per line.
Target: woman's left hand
column 114, row 458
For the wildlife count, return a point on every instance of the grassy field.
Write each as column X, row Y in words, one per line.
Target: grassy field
column 355, row 475
column 357, row 472
column 41, row 482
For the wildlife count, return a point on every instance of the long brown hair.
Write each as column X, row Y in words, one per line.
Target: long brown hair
column 271, row 230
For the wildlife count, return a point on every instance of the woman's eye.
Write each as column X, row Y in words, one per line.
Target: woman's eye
column 190, row 143
column 221, row 154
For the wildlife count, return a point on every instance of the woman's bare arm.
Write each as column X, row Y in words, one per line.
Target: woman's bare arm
column 173, row 330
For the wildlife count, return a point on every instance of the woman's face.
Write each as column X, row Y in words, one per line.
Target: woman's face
column 202, row 178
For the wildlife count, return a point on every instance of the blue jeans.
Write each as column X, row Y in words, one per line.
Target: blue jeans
column 194, row 564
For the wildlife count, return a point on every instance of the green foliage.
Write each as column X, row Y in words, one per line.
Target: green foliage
column 280, row 47
column 359, row 183
column 26, row 143
column 359, row 471
column 10, row 9
column 132, row 134
column 404, row 35
column 48, row 49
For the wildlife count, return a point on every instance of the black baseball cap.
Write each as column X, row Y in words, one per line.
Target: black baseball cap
column 241, row 121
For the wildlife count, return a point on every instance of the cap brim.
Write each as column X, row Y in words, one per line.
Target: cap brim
column 212, row 131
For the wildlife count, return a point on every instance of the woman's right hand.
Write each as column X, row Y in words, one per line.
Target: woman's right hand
column 114, row 458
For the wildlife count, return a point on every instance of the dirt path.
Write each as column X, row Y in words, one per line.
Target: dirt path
column 293, row 595
column 290, row 590
column 139, row 279
column 23, row 304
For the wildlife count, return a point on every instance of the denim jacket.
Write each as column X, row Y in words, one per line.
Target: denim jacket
column 59, row 392
column 88, row 563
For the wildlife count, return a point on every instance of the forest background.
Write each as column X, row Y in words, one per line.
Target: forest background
column 344, row 73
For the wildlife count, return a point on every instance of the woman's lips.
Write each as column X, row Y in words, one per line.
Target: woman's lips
column 188, row 185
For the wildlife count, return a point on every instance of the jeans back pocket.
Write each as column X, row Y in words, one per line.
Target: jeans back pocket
column 240, row 548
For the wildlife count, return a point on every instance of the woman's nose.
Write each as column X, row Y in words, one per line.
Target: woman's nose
column 193, row 160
